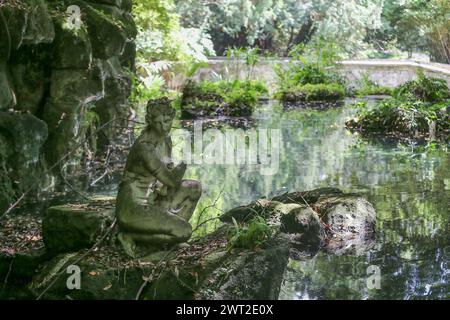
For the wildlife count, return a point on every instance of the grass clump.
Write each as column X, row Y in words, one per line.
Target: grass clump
column 249, row 235
column 228, row 98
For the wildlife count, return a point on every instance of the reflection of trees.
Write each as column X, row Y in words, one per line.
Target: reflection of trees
column 415, row 269
column 409, row 187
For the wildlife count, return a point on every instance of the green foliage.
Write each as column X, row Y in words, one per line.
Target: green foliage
column 312, row 92
column 405, row 118
column 277, row 25
column 240, row 58
column 311, row 76
column 234, row 94
column 368, row 87
column 250, row 235
column 424, row 89
column 163, row 47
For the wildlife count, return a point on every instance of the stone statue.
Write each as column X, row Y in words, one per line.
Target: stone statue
column 154, row 204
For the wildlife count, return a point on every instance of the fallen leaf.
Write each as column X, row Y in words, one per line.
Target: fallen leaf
column 93, row 273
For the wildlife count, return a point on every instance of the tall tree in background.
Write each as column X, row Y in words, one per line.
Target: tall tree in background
column 278, row 25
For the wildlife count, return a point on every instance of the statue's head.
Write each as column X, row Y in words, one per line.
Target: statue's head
column 160, row 115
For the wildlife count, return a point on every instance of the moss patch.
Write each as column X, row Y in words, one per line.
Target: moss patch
column 221, row 98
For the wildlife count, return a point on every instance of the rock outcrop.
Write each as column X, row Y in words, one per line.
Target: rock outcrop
column 212, row 267
column 68, row 78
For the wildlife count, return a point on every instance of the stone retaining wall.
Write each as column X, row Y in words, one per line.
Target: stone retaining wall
column 390, row 73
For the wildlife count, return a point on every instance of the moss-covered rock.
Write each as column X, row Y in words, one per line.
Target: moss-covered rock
column 107, row 34
column 29, row 85
column 39, row 26
column 16, row 16
column 23, row 136
column 69, row 228
column 210, row 267
column 72, row 47
column 72, row 93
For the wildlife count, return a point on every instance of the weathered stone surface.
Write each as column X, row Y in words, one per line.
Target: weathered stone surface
column 5, row 38
column 107, row 34
column 29, row 85
column 39, row 26
column 74, row 227
column 71, row 95
column 24, row 136
column 6, row 186
column 205, row 270
column 7, row 96
column 20, row 267
column 326, row 217
column 116, row 279
column 115, row 102
column 16, row 17
column 303, row 229
column 72, row 47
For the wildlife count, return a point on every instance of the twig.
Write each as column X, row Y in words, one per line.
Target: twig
column 213, row 205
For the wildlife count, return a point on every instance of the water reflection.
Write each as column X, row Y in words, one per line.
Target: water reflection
column 409, row 186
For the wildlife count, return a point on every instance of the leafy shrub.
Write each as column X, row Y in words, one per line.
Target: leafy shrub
column 310, row 78
column 232, row 98
column 405, row 118
column 424, row 88
column 312, row 92
column 250, row 235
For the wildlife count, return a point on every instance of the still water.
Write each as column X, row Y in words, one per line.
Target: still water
column 408, row 184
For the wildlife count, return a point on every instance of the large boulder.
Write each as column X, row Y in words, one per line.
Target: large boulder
column 114, row 105
column 325, row 217
column 16, row 16
column 211, row 267
column 72, row 94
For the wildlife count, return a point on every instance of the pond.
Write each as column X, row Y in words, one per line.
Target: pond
column 408, row 184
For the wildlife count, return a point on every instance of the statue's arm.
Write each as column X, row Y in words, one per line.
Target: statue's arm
column 158, row 168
